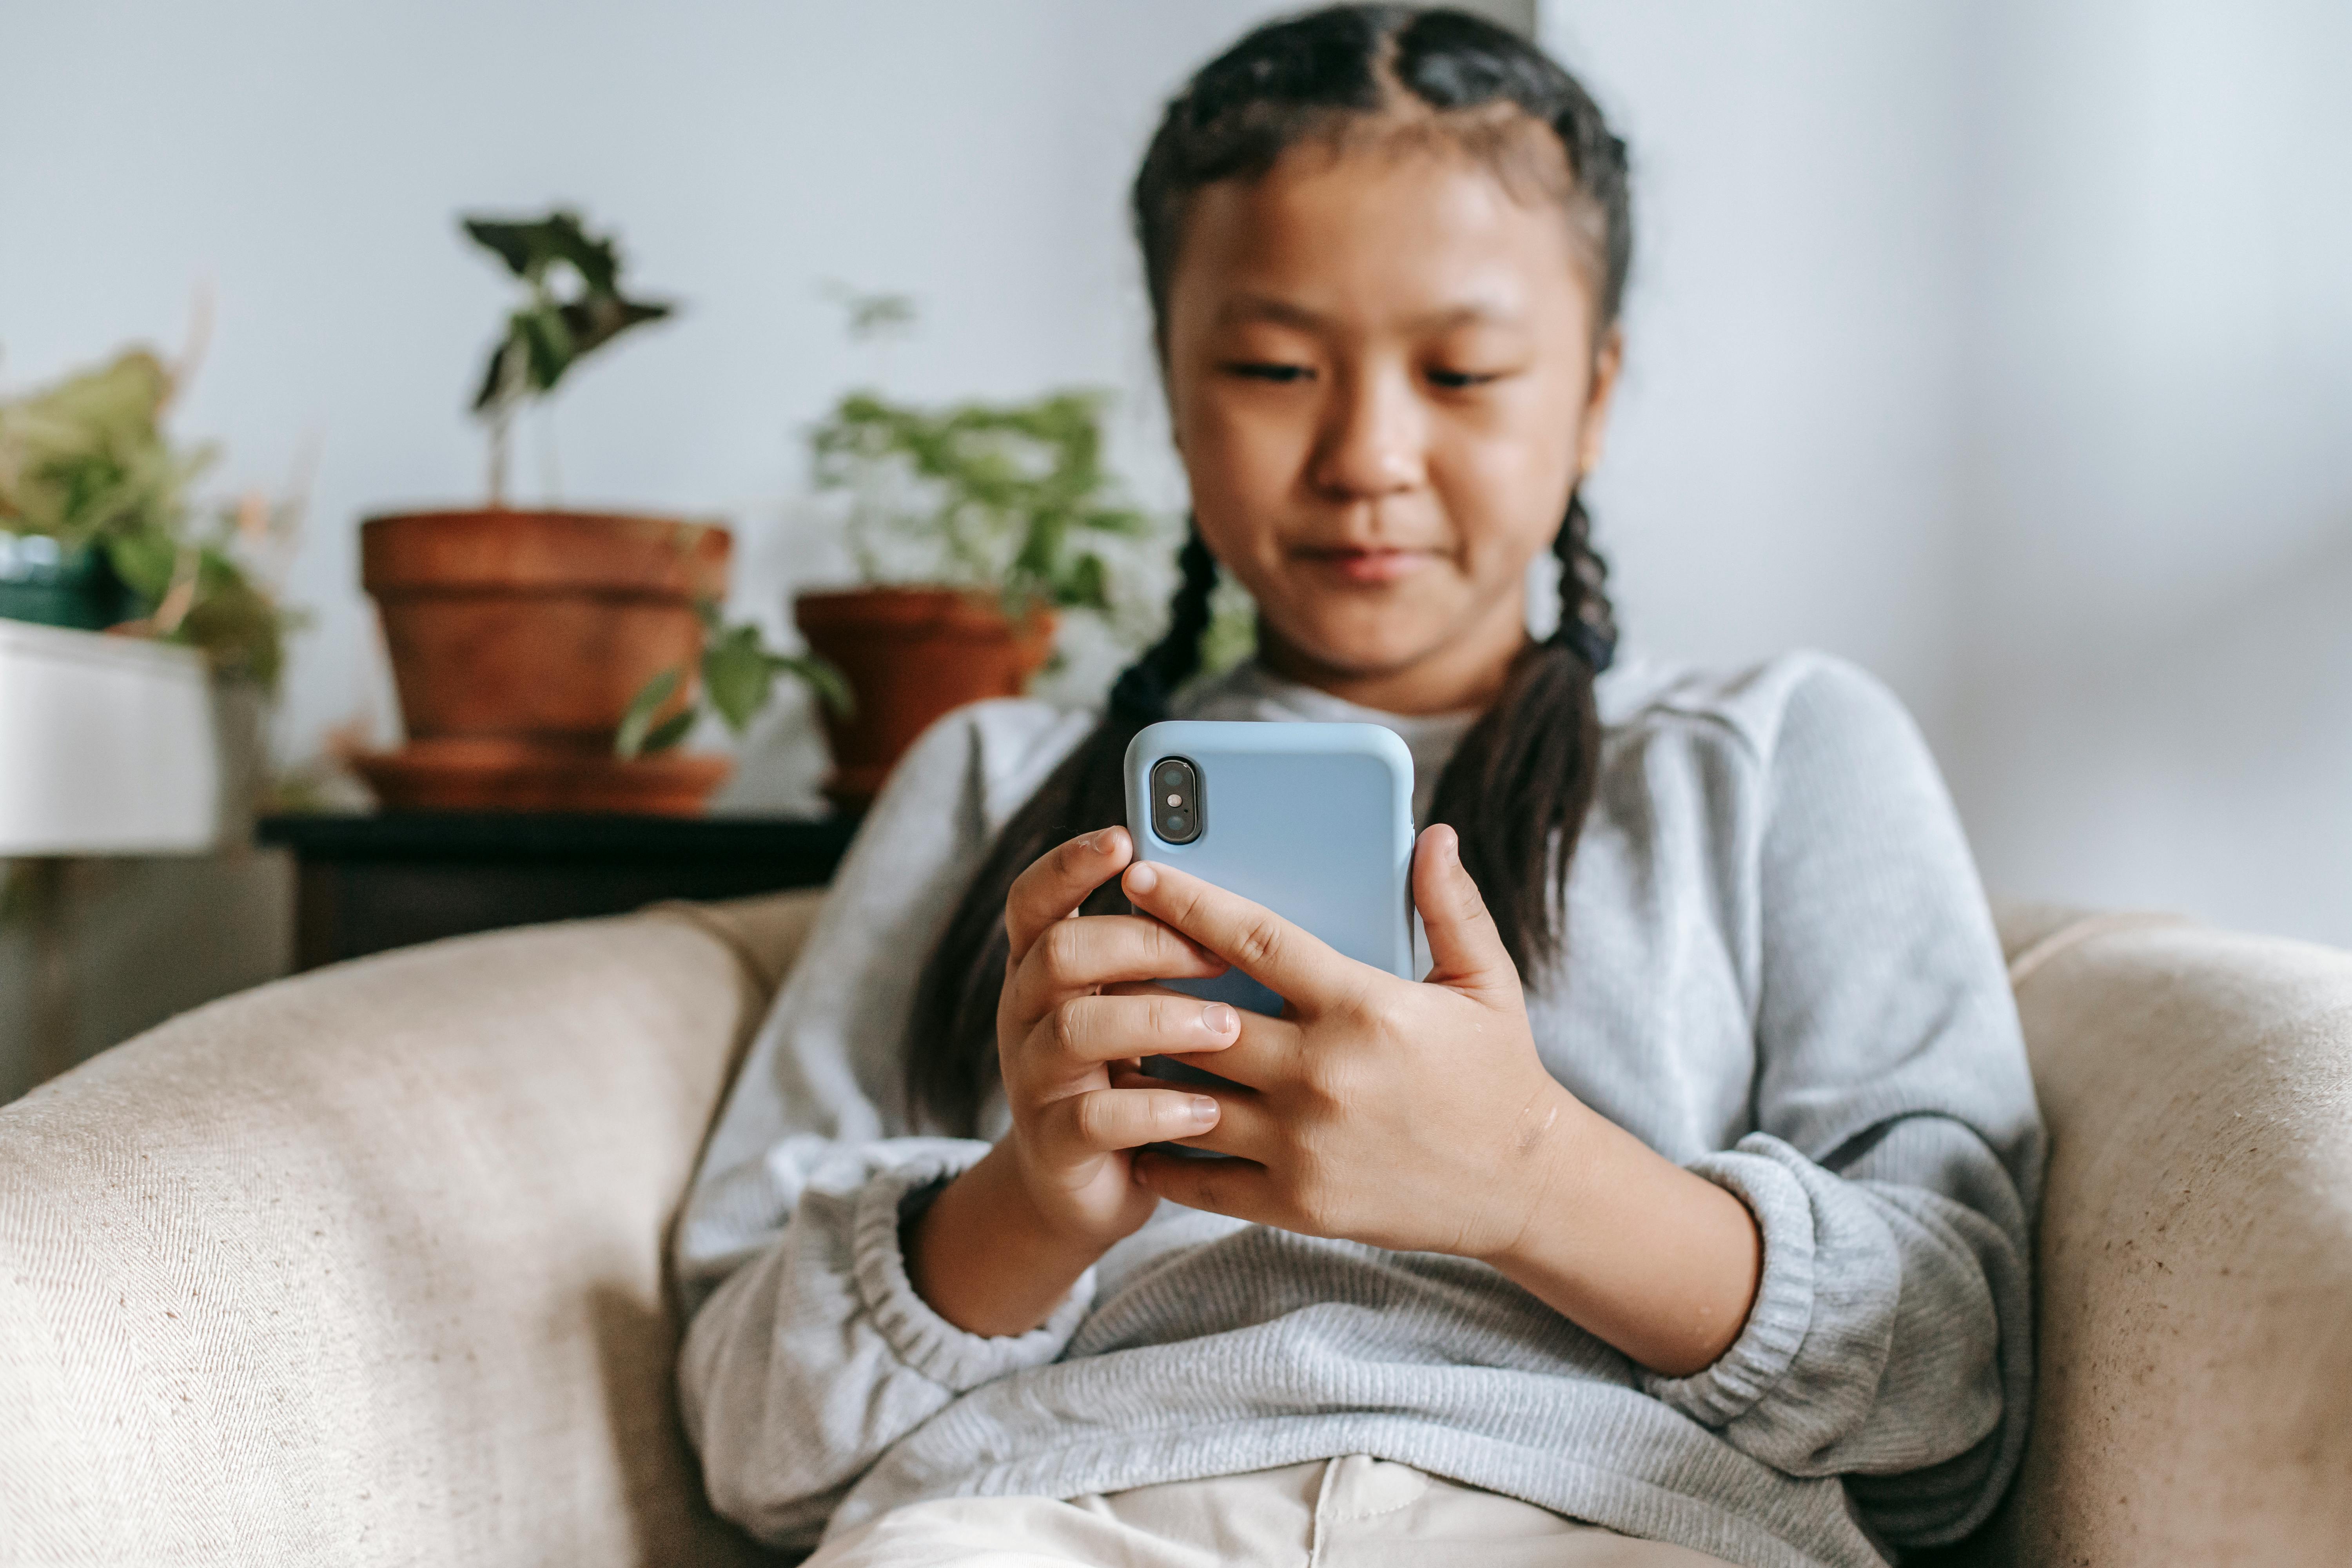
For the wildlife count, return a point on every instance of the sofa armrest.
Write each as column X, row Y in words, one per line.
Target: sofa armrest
column 367, row 1265
column 2194, row 1402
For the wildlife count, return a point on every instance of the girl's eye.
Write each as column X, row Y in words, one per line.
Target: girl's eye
column 1269, row 370
column 1461, row 379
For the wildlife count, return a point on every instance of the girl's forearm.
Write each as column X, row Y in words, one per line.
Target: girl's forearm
column 984, row 1259
column 1655, row 1260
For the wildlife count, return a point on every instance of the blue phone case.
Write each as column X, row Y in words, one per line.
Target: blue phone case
column 1313, row 821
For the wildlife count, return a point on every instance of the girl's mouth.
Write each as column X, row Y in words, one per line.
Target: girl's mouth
column 1352, row 564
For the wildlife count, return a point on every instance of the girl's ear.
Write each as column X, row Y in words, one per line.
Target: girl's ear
column 1607, row 361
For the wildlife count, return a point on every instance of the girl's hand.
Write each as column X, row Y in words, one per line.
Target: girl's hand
column 1076, row 1006
column 1001, row 1245
column 1417, row 1117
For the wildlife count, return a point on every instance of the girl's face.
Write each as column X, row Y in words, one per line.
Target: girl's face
column 1383, row 381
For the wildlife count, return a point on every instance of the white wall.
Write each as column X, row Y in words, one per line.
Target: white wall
column 2007, row 349
column 2157, row 530
column 1780, row 464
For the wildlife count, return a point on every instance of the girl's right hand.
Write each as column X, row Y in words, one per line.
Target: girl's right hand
column 1078, row 1007
column 1001, row 1245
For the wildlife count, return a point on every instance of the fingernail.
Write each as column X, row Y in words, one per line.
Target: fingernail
column 1141, row 878
column 1219, row 1019
column 1204, row 1109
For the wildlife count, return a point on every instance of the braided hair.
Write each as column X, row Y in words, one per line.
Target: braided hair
column 1521, row 782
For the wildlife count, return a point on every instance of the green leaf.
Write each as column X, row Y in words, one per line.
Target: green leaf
column 512, row 242
column 599, row 319
column 669, row 732
column 631, row 738
column 548, row 340
column 1088, row 584
column 830, row 685
column 735, row 675
column 144, row 560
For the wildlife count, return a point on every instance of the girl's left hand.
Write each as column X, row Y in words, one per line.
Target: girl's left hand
column 1413, row 1115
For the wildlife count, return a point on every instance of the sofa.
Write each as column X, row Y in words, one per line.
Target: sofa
column 366, row 1265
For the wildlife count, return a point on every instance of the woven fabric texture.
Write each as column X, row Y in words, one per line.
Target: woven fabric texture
column 365, row 1266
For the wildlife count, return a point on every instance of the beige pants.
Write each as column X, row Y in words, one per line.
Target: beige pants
column 1356, row 1512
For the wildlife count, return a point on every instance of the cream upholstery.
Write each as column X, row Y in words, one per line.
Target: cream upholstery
column 2195, row 1253
column 365, row 1266
column 259, row 1304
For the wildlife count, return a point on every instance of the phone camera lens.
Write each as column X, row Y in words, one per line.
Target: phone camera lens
column 1176, row 800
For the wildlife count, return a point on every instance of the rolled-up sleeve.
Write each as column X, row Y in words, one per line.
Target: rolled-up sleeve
column 1899, row 1150
column 812, row 1359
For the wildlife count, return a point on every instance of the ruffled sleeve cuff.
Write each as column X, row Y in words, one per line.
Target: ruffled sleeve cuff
column 952, row 1357
column 1761, row 1358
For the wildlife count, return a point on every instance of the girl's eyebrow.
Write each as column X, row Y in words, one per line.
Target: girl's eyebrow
column 1268, row 308
column 1288, row 313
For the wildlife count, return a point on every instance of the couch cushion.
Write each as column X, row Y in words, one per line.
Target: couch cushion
column 366, row 1267
column 2194, row 1402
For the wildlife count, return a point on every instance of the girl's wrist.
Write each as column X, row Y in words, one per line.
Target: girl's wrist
column 1653, row 1260
column 985, row 1257
column 1551, row 1153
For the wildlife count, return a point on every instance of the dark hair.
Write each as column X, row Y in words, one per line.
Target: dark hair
column 1521, row 784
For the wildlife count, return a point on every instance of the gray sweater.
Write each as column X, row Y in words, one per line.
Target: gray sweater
column 1780, row 972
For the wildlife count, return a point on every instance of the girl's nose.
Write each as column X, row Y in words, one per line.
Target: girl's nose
column 1373, row 438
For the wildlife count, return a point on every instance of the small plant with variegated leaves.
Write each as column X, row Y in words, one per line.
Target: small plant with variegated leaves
column 573, row 305
column 738, row 675
column 88, row 463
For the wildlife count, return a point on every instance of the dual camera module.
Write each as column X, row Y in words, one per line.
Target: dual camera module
column 1175, row 800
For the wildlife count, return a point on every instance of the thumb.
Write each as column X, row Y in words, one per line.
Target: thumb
column 1465, row 949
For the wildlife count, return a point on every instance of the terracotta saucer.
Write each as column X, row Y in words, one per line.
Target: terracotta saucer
column 484, row 773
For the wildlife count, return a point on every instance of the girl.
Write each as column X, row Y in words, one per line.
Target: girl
column 1679, row 1216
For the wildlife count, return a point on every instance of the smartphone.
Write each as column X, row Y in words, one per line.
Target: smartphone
column 1313, row 821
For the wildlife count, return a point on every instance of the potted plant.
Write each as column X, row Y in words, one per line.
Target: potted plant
column 97, row 531
column 520, row 638
column 973, row 527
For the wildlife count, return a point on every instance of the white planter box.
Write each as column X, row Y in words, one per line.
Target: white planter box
column 107, row 746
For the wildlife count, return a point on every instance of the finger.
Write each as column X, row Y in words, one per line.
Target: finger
column 1271, row 951
column 1246, row 1125
column 1058, row 881
column 1100, row 1120
column 1241, row 1188
column 1266, row 1046
column 1072, row 957
column 1465, row 948
column 1117, row 1028
column 1264, row 1056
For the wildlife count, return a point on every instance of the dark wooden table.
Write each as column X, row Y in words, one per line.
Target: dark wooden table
column 369, row 883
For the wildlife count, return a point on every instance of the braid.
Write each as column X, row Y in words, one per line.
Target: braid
column 1519, row 784
column 952, row 1037
column 1145, row 687
column 1588, row 621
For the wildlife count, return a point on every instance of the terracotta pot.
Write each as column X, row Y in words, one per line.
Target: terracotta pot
column 480, row 774
column 911, row 655
column 538, row 626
